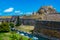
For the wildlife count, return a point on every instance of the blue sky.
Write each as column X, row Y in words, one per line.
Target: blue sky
column 18, row 7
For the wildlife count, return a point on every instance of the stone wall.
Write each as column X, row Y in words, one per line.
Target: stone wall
column 52, row 17
column 28, row 22
column 50, row 28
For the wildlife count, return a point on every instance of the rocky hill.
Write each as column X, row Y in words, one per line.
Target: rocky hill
column 47, row 10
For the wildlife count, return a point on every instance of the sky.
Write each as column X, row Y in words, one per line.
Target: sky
column 21, row 7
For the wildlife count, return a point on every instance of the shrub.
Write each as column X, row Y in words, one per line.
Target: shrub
column 11, row 25
column 4, row 27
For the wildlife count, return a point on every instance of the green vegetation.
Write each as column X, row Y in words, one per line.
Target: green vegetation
column 11, row 25
column 6, row 34
column 12, row 36
column 18, row 21
column 4, row 27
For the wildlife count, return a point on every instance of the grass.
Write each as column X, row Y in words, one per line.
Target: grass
column 25, row 28
column 11, row 36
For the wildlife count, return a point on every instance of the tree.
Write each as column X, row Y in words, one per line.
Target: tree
column 11, row 25
column 18, row 21
column 4, row 27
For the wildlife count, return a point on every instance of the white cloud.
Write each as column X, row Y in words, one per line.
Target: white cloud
column 17, row 11
column 9, row 10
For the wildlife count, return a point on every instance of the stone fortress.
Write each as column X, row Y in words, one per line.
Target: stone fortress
column 45, row 13
column 46, row 21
